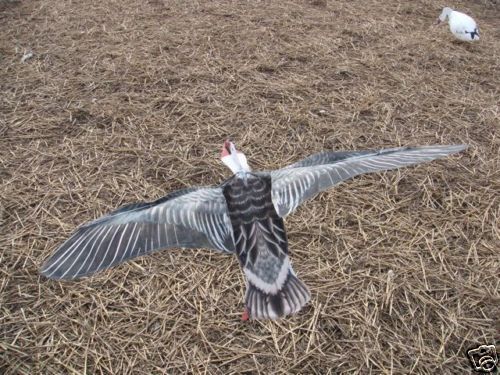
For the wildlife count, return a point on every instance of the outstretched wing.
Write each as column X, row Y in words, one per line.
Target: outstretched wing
column 296, row 183
column 190, row 218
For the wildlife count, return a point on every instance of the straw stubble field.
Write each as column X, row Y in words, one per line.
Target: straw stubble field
column 127, row 100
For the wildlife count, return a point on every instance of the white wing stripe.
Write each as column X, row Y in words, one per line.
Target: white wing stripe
column 137, row 236
column 124, row 253
column 67, row 252
column 175, row 234
column 109, row 246
column 102, row 237
column 96, row 235
column 304, row 179
column 118, row 247
column 74, row 246
column 158, row 235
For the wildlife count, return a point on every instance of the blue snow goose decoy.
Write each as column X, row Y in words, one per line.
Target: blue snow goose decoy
column 242, row 216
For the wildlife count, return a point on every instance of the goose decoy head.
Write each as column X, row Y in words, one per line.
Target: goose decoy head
column 234, row 159
column 445, row 13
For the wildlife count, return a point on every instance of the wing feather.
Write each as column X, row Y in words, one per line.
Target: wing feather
column 191, row 218
column 298, row 182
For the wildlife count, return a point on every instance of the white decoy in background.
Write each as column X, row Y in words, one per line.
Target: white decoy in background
column 242, row 216
column 461, row 25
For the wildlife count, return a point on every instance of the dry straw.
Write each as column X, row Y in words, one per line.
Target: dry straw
column 128, row 100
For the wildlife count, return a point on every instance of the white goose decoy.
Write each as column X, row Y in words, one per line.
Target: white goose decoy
column 244, row 215
column 461, row 25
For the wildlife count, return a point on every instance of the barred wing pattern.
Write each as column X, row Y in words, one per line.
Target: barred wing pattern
column 326, row 158
column 301, row 181
column 190, row 218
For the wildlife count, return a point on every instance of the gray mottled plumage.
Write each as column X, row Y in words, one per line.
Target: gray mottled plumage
column 244, row 215
column 261, row 245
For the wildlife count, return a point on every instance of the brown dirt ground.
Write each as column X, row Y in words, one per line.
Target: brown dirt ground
column 128, row 100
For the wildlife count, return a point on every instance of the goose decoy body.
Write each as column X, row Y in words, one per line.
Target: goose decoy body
column 242, row 216
column 462, row 26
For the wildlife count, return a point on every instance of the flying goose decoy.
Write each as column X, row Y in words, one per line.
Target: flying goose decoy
column 243, row 215
column 461, row 25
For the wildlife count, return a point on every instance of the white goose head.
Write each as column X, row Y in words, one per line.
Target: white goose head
column 234, row 159
column 444, row 14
